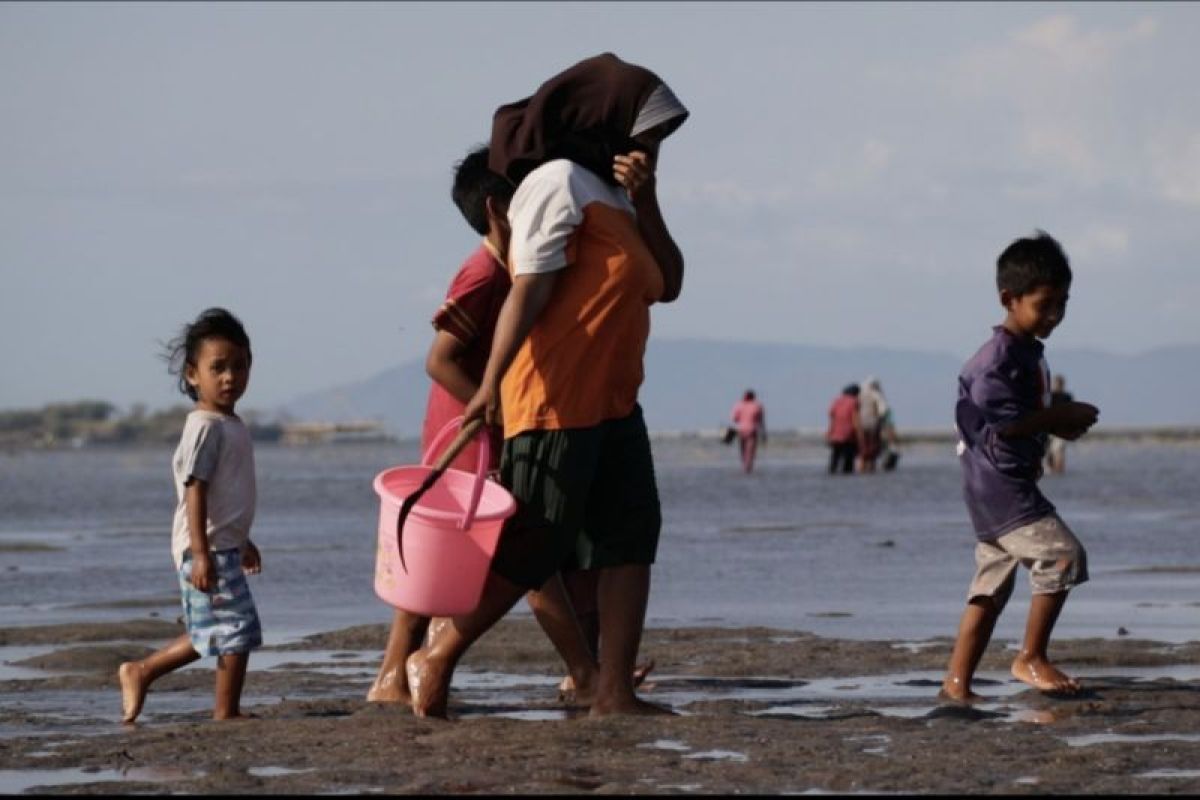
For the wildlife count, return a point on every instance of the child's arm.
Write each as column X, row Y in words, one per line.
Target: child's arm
column 528, row 296
column 442, row 365
column 1066, row 420
column 204, row 572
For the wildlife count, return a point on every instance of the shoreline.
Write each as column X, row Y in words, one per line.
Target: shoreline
column 1181, row 434
column 761, row 710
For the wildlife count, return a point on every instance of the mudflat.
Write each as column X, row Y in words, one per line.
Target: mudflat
column 759, row 711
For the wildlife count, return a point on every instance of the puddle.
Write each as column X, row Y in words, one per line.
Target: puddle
column 904, row 712
column 525, row 715
column 1090, row 739
column 275, row 772
column 1170, row 773
column 15, row 781
column 914, row 647
column 666, row 744
column 719, row 755
column 806, row 711
column 1034, row 716
column 878, row 742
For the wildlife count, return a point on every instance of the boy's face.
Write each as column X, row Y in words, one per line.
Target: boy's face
column 1037, row 312
column 498, row 228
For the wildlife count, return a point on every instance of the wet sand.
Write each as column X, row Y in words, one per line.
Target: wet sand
column 760, row 711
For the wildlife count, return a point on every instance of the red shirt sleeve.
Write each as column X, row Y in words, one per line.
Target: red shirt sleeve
column 470, row 303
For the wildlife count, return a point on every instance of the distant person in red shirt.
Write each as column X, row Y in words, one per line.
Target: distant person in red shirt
column 750, row 419
column 844, row 430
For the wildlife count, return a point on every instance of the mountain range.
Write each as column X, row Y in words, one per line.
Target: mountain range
column 692, row 384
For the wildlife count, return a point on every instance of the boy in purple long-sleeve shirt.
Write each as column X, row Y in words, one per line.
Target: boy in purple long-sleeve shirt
column 1003, row 417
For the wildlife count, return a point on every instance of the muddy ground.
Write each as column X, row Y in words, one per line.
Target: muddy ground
column 760, row 711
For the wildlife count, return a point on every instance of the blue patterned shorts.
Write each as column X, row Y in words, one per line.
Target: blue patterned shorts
column 224, row 621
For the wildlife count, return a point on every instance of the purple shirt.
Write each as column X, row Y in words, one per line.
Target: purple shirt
column 1004, row 381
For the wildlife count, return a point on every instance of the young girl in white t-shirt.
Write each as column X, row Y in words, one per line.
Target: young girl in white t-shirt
column 213, row 468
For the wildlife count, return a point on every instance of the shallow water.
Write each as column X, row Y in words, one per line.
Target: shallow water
column 85, row 536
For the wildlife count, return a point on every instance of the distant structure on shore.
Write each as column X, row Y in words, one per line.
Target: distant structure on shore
column 332, row 432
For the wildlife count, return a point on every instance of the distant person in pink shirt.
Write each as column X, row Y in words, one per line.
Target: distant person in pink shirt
column 750, row 419
column 844, row 430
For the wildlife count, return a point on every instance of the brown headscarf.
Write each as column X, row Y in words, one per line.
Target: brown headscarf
column 585, row 113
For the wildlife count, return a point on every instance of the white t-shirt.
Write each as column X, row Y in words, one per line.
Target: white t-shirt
column 547, row 208
column 216, row 449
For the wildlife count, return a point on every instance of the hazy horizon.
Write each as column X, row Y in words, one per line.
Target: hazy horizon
column 847, row 177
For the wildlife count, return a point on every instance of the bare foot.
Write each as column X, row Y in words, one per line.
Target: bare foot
column 569, row 695
column 632, row 706
column 236, row 715
column 966, row 698
column 1039, row 673
column 133, row 690
column 429, row 685
column 390, row 687
column 641, row 671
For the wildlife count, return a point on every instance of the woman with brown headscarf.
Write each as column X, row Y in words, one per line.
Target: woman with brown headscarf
column 589, row 254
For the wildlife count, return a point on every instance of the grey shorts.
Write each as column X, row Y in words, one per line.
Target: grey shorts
column 1055, row 559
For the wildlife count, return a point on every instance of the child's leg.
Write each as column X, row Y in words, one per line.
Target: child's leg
column 231, row 674
column 555, row 613
column 995, row 575
column 974, row 632
column 581, row 586
column 136, row 676
column 1057, row 563
column 1033, row 664
column 391, row 684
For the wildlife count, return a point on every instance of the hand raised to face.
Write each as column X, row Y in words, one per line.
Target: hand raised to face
column 635, row 172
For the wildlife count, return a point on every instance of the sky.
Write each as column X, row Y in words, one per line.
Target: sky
column 847, row 177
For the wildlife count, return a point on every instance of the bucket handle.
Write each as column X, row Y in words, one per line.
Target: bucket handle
column 481, row 464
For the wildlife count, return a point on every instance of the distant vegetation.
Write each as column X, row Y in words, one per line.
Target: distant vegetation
column 96, row 422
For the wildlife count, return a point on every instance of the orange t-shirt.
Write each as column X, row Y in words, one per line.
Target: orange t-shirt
column 582, row 361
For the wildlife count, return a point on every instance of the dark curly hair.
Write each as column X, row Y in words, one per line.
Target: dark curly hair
column 213, row 323
column 1034, row 261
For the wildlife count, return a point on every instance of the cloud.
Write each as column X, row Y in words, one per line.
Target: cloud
column 1175, row 165
column 1100, row 243
column 726, row 195
column 1059, row 40
column 1057, row 82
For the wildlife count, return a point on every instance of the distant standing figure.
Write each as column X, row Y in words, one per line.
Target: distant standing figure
column 844, row 430
column 750, row 419
column 872, row 410
column 1056, row 447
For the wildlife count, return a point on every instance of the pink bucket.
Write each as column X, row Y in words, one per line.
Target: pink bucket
column 450, row 535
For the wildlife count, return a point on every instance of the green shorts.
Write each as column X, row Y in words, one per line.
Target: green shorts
column 586, row 499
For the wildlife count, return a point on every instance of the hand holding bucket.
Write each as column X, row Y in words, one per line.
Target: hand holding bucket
column 464, row 437
column 450, row 534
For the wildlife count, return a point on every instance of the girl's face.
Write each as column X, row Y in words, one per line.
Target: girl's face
column 220, row 374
